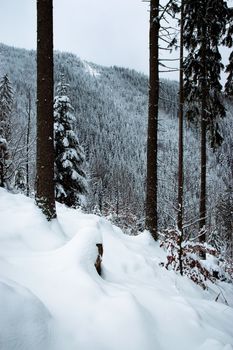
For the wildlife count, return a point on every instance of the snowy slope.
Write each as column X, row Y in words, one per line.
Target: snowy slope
column 53, row 298
column 110, row 105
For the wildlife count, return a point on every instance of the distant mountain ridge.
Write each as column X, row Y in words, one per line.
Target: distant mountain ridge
column 111, row 107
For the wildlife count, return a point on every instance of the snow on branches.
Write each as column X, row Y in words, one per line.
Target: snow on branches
column 199, row 271
column 70, row 178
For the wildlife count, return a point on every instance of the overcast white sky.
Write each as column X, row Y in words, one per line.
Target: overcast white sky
column 108, row 32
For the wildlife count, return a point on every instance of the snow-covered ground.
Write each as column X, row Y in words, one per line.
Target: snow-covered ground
column 52, row 298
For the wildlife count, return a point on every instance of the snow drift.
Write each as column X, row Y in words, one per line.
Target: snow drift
column 52, row 298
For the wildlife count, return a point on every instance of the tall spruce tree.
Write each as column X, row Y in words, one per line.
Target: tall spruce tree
column 70, row 178
column 45, row 194
column 152, row 139
column 6, row 102
column 229, row 82
column 181, row 138
column 4, row 155
column 228, row 41
column 158, row 14
column 29, row 117
column 204, row 26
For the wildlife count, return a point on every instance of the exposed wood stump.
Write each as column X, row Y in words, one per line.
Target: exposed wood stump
column 99, row 258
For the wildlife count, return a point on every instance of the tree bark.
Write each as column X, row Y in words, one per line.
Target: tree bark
column 152, row 141
column 45, row 197
column 181, row 117
column 202, row 211
column 27, row 143
column 180, row 141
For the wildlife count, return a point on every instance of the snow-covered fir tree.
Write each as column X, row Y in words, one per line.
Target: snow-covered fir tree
column 204, row 27
column 229, row 82
column 6, row 100
column 228, row 41
column 205, row 23
column 20, row 180
column 70, row 178
column 4, row 155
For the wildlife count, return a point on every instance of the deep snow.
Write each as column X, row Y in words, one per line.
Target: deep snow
column 51, row 296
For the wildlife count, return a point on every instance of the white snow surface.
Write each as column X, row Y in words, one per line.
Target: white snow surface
column 52, row 298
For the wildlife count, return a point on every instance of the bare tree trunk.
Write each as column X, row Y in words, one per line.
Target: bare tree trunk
column 27, row 143
column 117, row 199
column 152, row 141
column 202, row 213
column 1, row 174
column 45, row 147
column 203, row 177
column 180, row 141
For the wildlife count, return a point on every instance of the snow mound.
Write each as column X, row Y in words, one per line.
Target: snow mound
column 136, row 304
column 25, row 322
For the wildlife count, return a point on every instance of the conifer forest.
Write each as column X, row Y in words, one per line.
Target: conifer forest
column 116, row 186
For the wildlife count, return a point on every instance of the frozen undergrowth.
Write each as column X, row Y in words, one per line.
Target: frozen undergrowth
column 53, row 298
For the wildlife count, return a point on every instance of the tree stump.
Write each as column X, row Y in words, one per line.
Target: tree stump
column 99, row 258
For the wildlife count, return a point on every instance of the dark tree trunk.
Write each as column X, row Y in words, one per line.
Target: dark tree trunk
column 152, row 177
column 4, row 155
column 1, row 174
column 202, row 213
column 203, row 174
column 180, row 141
column 27, row 143
column 45, row 197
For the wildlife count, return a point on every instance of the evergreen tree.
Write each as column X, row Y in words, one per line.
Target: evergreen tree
column 152, row 139
column 70, row 178
column 229, row 82
column 4, row 155
column 45, row 194
column 6, row 101
column 20, row 180
column 204, row 26
column 28, row 132
column 181, row 139
column 158, row 14
column 228, row 41
column 225, row 218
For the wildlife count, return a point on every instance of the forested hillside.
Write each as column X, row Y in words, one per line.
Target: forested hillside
column 110, row 106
